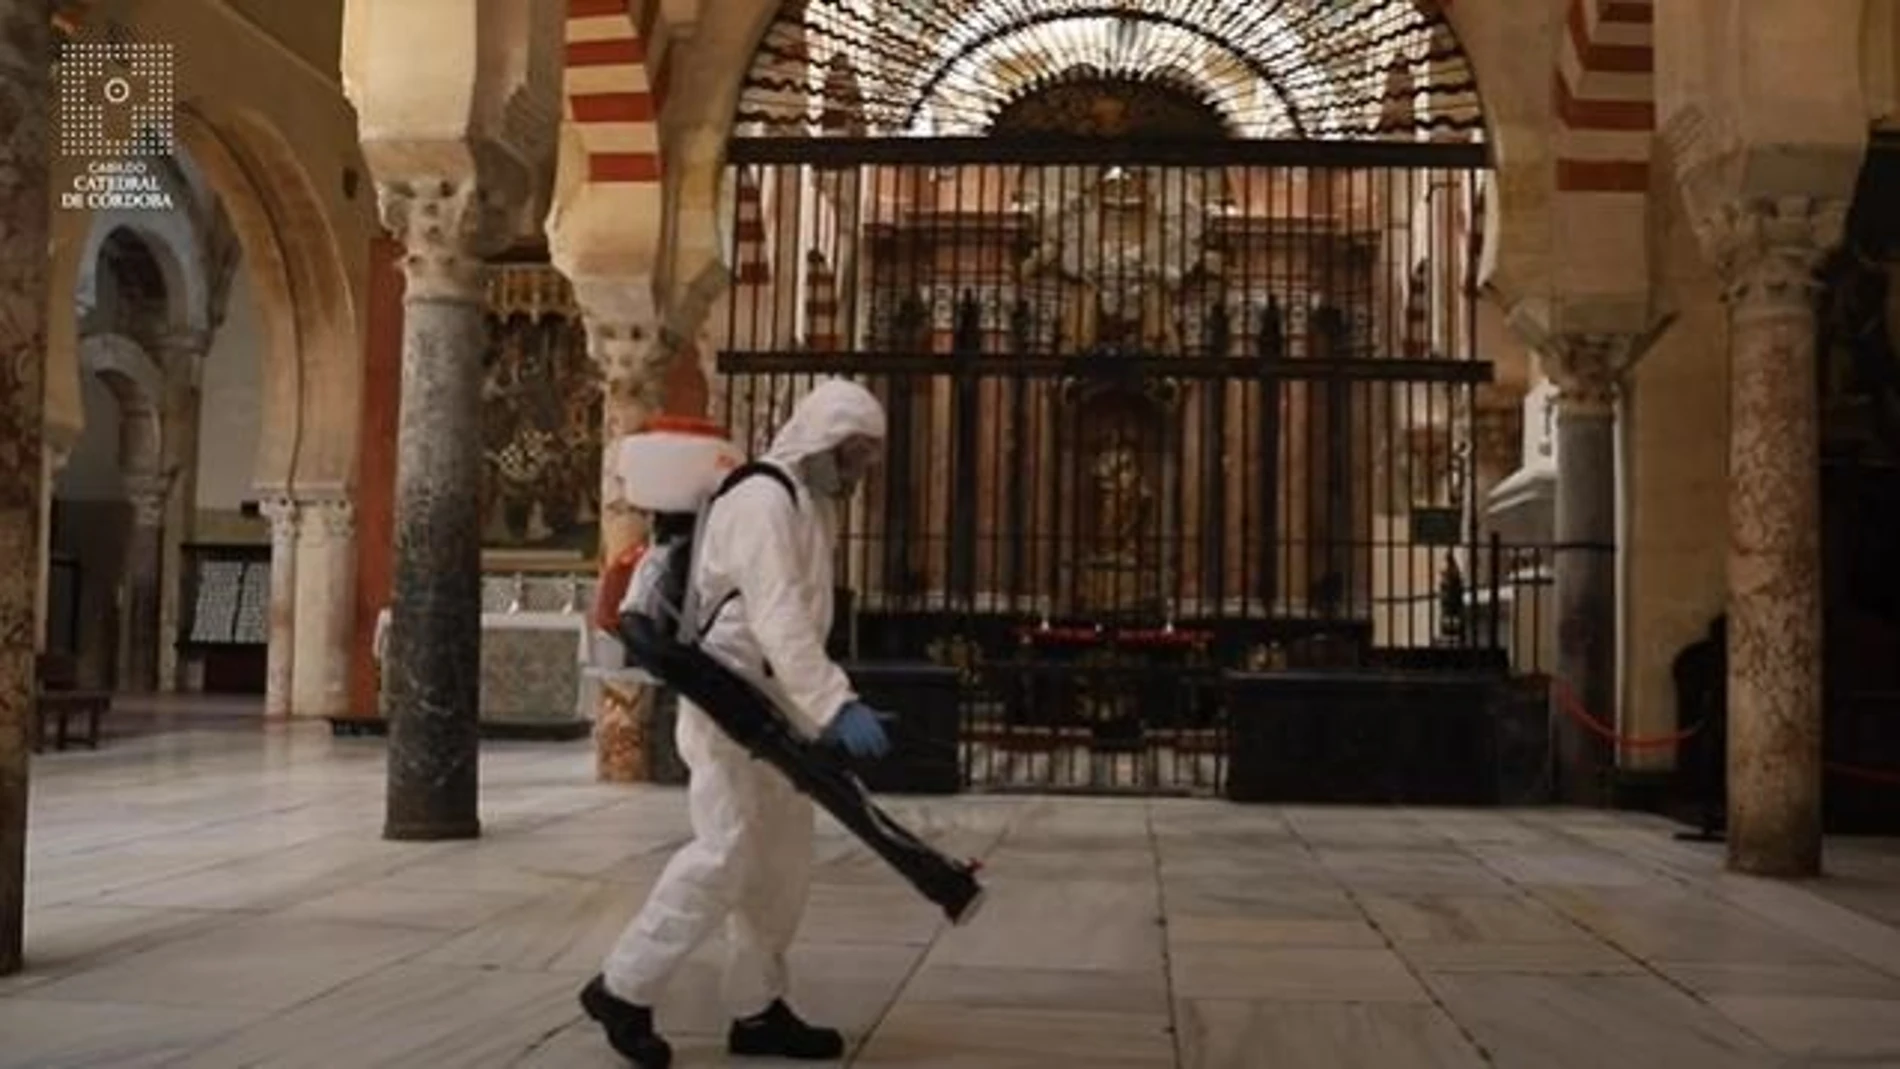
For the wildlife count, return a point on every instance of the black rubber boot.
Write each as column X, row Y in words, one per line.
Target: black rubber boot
column 629, row 1028
column 778, row 1033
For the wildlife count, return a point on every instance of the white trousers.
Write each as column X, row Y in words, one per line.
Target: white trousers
column 748, row 867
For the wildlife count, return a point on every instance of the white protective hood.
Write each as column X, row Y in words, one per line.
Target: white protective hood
column 832, row 412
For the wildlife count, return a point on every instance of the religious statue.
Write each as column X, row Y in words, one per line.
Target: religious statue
column 909, row 322
column 1330, row 333
column 1418, row 313
column 1219, row 330
column 1022, row 327
column 1270, row 342
column 968, row 337
column 1121, row 498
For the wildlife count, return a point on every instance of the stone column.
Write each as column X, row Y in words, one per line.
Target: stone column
column 326, row 604
column 144, row 560
column 432, row 662
column 25, row 58
column 181, row 354
column 460, row 142
column 1767, row 252
column 1586, row 369
column 283, row 516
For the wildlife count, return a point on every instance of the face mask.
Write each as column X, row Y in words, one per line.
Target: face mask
column 824, row 477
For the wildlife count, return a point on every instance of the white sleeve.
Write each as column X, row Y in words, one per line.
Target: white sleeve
column 778, row 609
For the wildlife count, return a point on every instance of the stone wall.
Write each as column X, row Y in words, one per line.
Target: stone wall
column 1674, row 507
column 230, row 416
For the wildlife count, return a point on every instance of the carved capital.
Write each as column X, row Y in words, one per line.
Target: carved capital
column 632, row 357
column 326, row 520
column 1587, row 370
column 1767, row 250
column 147, row 494
column 449, row 227
column 181, row 355
column 283, row 514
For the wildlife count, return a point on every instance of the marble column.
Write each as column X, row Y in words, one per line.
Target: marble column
column 281, row 656
column 1585, row 369
column 181, row 354
column 631, row 366
column 325, row 607
column 1767, row 252
column 144, row 561
column 432, row 662
column 26, row 57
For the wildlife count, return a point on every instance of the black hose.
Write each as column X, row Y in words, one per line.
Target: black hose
column 750, row 719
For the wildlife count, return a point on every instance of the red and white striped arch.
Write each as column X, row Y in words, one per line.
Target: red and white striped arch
column 1606, row 96
column 614, row 91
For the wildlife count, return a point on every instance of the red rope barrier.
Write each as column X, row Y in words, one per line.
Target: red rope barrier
column 1864, row 775
column 1573, row 708
column 1568, row 702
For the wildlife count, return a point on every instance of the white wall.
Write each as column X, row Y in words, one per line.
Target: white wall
column 92, row 472
column 230, row 410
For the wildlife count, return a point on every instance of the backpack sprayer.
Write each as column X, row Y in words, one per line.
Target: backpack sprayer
column 676, row 470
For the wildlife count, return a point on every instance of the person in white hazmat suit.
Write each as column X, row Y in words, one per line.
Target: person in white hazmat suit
column 748, row 865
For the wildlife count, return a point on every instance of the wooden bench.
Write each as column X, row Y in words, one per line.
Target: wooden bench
column 60, row 700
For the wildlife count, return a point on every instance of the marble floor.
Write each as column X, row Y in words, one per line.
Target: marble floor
column 204, row 896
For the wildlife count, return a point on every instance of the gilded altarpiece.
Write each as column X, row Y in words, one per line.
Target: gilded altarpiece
column 541, row 425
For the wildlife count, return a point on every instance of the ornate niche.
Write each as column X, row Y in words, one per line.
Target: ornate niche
column 1119, row 442
column 1089, row 105
column 1119, row 244
column 541, row 423
column 1116, row 245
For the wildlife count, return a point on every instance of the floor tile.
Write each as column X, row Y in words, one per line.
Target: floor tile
column 36, row 1034
column 1310, row 1035
column 1271, row 931
column 943, row 1036
column 1304, row 974
column 1810, row 1026
column 1469, row 919
column 1567, row 1022
column 1060, row 925
column 263, row 963
column 407, row 1015
column 1076, row 990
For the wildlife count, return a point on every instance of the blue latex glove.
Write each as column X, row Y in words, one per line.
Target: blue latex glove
column 860, row 730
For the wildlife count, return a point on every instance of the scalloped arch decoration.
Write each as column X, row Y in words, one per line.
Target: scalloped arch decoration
column 1284, row 69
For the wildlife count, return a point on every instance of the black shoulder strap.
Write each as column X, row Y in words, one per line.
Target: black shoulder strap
column 751, row 468
column 732, row 479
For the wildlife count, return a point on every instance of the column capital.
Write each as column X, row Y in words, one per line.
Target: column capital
column 147, row 493
column 1767, row 249
column 448, row 226
column 326, row 519
column 1584, row 356
column 1587, row 370
column 181, row 353
column 632, row 358
column 283, row 515
column 184, row 340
